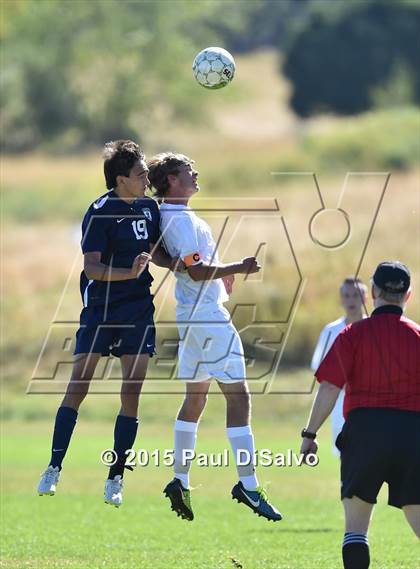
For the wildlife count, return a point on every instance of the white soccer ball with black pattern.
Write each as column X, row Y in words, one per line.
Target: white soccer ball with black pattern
column 214, row 67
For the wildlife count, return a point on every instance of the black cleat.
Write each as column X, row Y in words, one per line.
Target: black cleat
column 180, row 499
column 257, row 500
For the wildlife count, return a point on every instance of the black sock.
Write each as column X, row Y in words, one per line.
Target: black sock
column 125, row 432
column 355, row 551
column 65, row 421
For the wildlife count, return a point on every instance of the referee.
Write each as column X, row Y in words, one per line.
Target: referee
column 377, row 361
column 353, row 296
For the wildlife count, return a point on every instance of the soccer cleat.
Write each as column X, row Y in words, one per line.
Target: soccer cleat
column 180, row 499
column 257, row 500
column 49, row 479
column 113, row 491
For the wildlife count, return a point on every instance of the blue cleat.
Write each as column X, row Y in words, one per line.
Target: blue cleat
column 257, row 500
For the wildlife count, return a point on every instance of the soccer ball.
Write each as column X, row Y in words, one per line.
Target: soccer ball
column 214, row 67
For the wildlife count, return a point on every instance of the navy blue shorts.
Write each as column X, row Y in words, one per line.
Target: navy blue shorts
column 121, row 328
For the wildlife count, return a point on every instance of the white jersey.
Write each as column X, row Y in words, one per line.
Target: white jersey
column 189, row 237
column 326, row 340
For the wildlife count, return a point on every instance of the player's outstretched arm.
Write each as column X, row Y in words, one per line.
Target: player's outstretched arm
column 206, row 272
column 97, row 271
column 161, row 258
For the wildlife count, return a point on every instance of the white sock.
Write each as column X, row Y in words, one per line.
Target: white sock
column 242, row 439
column 185, row 439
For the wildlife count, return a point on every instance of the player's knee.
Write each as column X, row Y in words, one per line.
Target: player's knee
column 200, row 401
column 129, row 401
column 131, row 388
column 74, row 399
column 246, row 406
column 240, row 401
column 196, row 402
column 248, row 403
column 238, row 410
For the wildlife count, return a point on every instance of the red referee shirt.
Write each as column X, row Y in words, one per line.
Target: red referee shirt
column 377, row 360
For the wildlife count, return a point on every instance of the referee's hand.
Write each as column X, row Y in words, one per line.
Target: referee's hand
column 308, row 446
column 140, row 263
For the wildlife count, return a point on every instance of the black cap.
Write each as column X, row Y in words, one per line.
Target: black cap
column 392, row 277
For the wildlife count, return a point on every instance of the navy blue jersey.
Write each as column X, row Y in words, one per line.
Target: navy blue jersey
column 119, row 231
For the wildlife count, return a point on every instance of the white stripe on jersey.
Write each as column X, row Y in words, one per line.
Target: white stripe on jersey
column 99, row 203
column 85, row 294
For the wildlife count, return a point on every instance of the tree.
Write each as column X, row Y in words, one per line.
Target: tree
column 336, row 64
column 86, row 72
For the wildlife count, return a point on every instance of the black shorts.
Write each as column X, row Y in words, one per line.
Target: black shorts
column 123, row 328
column 377, row 446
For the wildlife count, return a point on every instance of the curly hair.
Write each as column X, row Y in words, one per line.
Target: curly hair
column 119, row 158
column 161, row 166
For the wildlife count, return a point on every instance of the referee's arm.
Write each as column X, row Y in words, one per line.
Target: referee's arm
column 321, row 408
column 332, row 374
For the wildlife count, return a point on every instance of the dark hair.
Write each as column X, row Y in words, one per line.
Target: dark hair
column 161, row 166
column 119, row 158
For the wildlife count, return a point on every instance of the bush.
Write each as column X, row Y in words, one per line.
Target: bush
column 384, row 140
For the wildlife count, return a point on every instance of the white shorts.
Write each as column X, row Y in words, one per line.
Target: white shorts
column 209, row 346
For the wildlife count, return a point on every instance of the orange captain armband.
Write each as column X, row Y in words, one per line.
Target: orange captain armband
column 192, row 259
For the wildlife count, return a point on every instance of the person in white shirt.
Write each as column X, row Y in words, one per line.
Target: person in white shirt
column 210, row 346
column 353, row 295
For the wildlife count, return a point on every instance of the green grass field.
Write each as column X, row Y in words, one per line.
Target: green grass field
column 76, row 529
